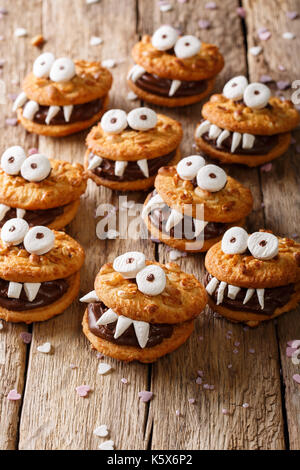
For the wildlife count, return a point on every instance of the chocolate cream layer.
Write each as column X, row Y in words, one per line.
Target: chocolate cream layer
column 38, row 217
column 275, row 297
column 157, row 333
column 156, row 85
column 48, row 293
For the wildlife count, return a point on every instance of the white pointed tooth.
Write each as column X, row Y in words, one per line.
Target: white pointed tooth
column 174, row 87
column 248, row 295
column 212, row 285
column 95, row 162
column 67, row 112
column 233, row 291
column 143, row 165
column 135, row 73
column 261, row 297
column 120, row 168
column 141, row 329
column 202, row 129
column 31, row 290
column 52, row 112
column 248, row 141
column 20, row 213
column 156, row 202
column 90, row 297
column 3, row 210
column 122, row 325
column 14, row 290
column 224, row 134
column 30, row 109
column 199, row 226
column 221, row 290
column 108, row 317
column 174, row 218
column 19, row 101
column 214, row 132
column 236, row 138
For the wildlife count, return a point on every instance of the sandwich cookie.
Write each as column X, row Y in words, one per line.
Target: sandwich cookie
column 253, row 278
column 141, row 310
column 173, row 70
column 125, row 151
column 61, row 97
column 39, row 271
column 40, row 190
column 193, row 204
column 245, row 124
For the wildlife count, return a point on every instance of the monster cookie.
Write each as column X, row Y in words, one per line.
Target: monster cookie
column 39, row 271
column 125, row 151
column 141, row 310
column 245, row 124
column 173, row 70
column 61, row 97
column 39, row 190
column 252, row 278
column 193, row 204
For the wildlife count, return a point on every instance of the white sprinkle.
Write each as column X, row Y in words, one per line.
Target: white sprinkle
column 89, row 2
column 177, row 412
column 131, row 96
column 101, row 431
column 107, row 445
column 20, row 32
column 124, row 381
column 288, row 35
column 256, row 50
column 104, row 368
column 109, row 63
column 44, row 348
column 95, row 41
column 1, row 325
column 245, row 405
column 166, row 7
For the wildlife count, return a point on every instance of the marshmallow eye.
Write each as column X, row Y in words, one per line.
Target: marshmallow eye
column 114, row 121
column 151, row 280
column 234, row 89
column 263, row 245
column 211, row 178
column 187, row 46
column 12, row 160
column 39, row 240
column 62, row 70
column 164, row 38
column 129, row 264
column 36, row 168
column 256, row 95
column 42, row 65
column 188, row 167
column 142, row 119
column 234, row 241
column 14, row 231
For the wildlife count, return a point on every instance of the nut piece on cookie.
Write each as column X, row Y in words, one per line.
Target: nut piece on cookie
column 40, row 190
column 39, row 271
column 245, row 124
column 125, row 151
column 173, row 70
column 140, row 309
column 193, row 204
column 253, row 278
column 61, row 96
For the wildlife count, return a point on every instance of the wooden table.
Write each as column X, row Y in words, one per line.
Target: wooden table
column 247, row 366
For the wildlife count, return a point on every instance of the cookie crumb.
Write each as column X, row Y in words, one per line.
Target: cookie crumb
column 38, row 40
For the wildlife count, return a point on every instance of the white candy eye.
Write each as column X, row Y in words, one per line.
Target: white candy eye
column 164, row 38
column 39, row 240
column 188, row 167
column 36, row 167
column 234, row 241
column 14, row 231
column 129, row 264
column 42, row 65
column 187, row 46
column 211, row 178
column 234, row 89
column 151, row 280
column 257, row 95
column 263, row 245
column 62, row 70
column 12, row 159
column 142, row 119
column 114, row 121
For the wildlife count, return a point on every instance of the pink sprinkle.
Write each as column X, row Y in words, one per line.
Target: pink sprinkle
column 261, row 30
column 200, row 338
column 32, row 151
column 229, row 332
column 12, row 96
column 298, row 148
column 237, row 343
column 1, row 38
column 13, row 395
column 145, row 396
column 251, row 351
column 177, row 413
column 200, row 373
column 124, row 381
column 246, row 328
column 245, row 405
column 262, row 205
column 296, row 378
column 73, row 366
column 198, row 381
column 191, row 401
column 26, row 337
column 292, row 15
column 225, row 411
column 265, row 35
column 211, row 6
column 204, row 24
column 181, row 1
column 206, row 386
column 99, row 355
column 83, row 390
column 229, row 366
column 211, row 387
column 241, row 12
column 2, row 62
column 293, row 140
column 283, row 84
column 11, row 122
column 3, row 11
column 281, row 67
column 265, row 79
column 266, row 168
column 235, row 351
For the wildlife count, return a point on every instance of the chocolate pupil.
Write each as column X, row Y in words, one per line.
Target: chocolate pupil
column 263, row 243
column 256, row 92
column 129, row 260
column 188, row 163
column 233, row 85
column 212, row 175
column 39, row 235
column 42, row 63
column 164, row 36
column 61, row 67
column 113, row 120
column 233, row 240
column 33, row 166
column 187, row 44
column 150, row 277
column 143, row 117
column 11, row 159
column 12, row 228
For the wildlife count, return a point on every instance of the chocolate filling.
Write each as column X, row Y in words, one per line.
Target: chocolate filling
column 48, row 293
column 157, row 332
column 38, row 217
column 132, row 171
column 161, row 86
column 275, row 297
column 81, row 112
